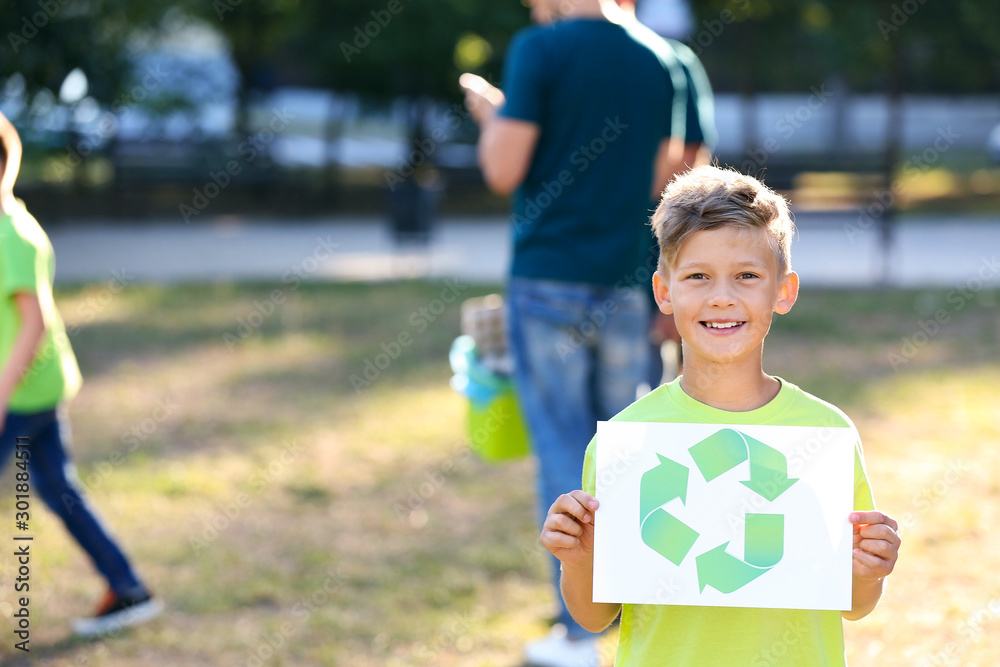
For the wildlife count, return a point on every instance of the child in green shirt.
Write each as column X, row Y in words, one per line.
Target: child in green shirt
column 38, row 376
column 724, row 271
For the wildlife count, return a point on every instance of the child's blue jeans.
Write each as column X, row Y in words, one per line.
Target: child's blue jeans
column 580, row 353
column 52, row 477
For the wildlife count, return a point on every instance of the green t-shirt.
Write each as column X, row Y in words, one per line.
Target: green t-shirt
column 27, row 264
column 688, row 636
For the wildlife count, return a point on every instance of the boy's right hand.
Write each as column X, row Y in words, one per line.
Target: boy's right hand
column 568, row 531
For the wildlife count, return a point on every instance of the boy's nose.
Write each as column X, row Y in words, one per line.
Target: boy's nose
column 722, row 295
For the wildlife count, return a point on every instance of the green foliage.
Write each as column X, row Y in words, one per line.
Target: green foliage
column 370, row 48
column 45, row 40
column 386, row 48
column 784, row 45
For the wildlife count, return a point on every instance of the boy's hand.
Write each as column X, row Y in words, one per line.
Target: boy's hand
column 876, row 544
column 568, row 531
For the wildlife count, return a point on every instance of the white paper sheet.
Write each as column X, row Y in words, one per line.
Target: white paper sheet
column 693, row 533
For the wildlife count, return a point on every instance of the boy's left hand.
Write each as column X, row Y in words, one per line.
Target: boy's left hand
column 876, row 544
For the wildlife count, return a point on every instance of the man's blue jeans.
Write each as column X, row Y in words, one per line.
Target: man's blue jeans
column 580, row 352
column 52, row 477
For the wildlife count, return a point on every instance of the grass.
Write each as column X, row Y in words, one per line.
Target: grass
column 289, row 515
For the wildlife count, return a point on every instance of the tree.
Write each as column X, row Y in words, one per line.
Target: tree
column 47, row 39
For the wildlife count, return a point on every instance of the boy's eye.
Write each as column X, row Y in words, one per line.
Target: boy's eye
column 748, row 275
column 697, row 276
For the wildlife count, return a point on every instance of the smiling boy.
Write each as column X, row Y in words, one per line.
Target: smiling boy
column 724, row 271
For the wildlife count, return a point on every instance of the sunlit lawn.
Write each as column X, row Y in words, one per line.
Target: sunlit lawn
column 290, row 516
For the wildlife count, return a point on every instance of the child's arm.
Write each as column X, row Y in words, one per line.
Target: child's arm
column 568, row 533
column 12, row 144
column 876, row 548
column 25, row 346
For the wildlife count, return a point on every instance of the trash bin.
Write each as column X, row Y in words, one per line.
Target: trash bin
column 495, row 425
column 413, row 206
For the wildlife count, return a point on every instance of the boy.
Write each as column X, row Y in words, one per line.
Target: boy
column 724, row 270
column 38, row 375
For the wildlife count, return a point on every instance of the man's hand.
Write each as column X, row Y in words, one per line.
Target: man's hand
column 876, row 544
column 568, row 531
column 481, row 97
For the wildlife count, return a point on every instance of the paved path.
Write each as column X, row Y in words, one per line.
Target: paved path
column 830, row 250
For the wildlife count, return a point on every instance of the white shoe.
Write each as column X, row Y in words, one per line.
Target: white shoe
column 558, row 650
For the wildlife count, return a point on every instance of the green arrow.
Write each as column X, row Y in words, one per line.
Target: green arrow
column 668, row 536
column 724, row 572
column 661, row 531
column 718, row 453
column 660, row 485
column 768, row 470
column 765, row 539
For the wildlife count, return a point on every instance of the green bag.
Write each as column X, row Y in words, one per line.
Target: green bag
column 495, row 425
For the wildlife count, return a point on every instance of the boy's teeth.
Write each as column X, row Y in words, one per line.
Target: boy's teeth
column 722, row 325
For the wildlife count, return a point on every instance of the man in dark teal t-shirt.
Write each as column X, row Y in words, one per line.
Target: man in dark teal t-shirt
column 585, row 133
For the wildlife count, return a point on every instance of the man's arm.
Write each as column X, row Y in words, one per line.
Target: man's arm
column 506, row 145
column 668, row 157
column 675, row 157
column 505, row 149
column 25, row 346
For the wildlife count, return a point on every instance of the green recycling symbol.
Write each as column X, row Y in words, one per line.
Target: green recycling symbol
column 673, row 539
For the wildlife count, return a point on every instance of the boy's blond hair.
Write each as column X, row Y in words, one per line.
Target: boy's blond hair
column 709, row 197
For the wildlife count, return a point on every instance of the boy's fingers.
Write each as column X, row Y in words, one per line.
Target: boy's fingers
column 880, row 548
column 879, row 531
column 563, row 524
column 874, row 517
column 552, row 539
column 577, row 504
column 880, row 567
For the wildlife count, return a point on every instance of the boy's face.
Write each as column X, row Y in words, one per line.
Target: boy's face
column 723, row 290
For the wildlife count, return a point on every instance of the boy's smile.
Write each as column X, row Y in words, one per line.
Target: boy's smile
column 723, row 290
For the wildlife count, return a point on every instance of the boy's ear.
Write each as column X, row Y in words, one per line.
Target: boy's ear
column 788, row 292
column 661, row 292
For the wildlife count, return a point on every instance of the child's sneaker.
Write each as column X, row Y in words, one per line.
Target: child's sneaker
column 115, row 613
